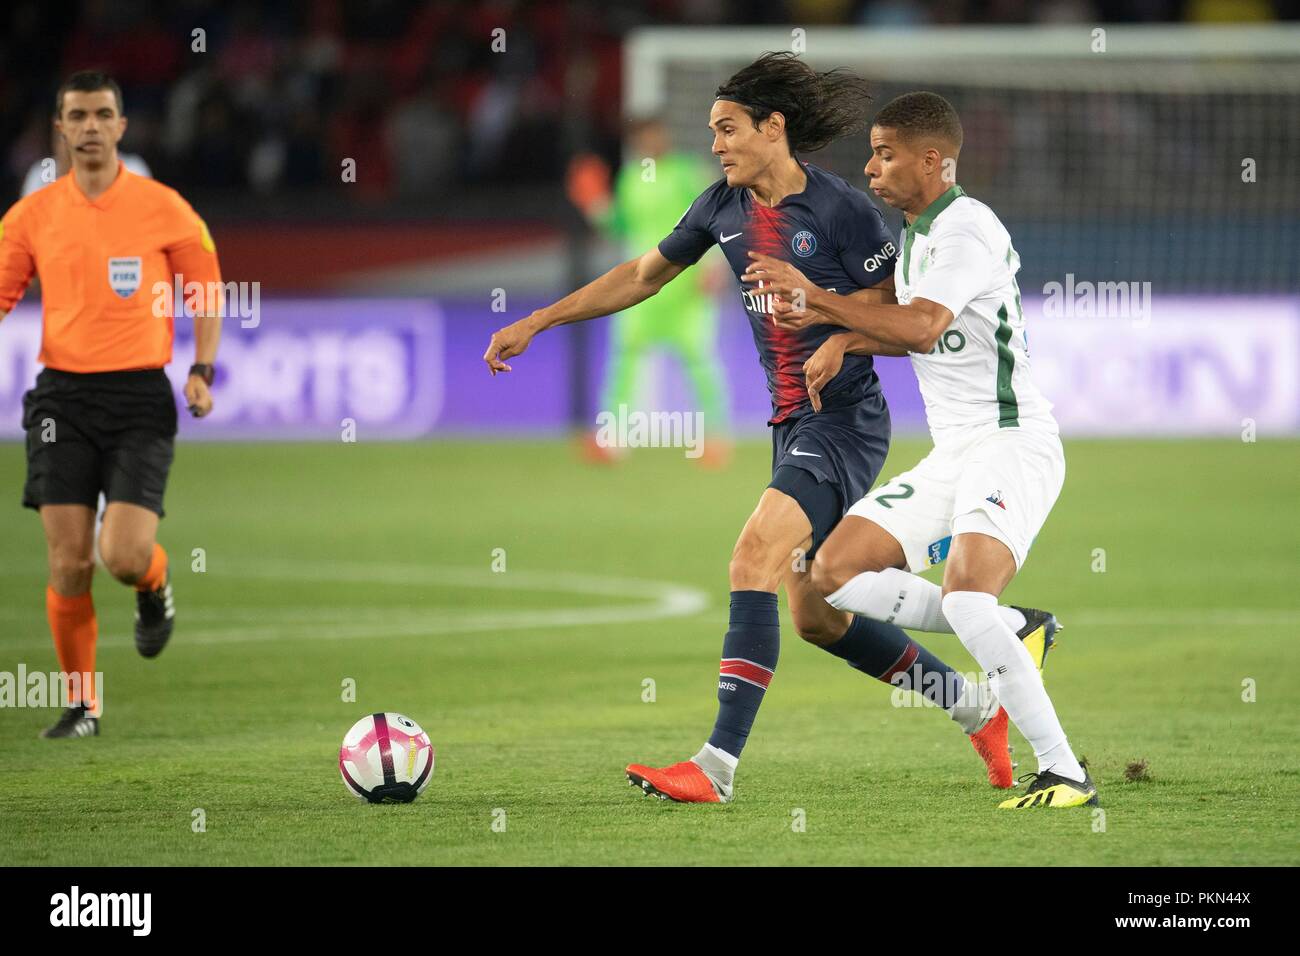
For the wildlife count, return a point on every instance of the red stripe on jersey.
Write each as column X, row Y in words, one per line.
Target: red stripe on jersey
column 790, row 389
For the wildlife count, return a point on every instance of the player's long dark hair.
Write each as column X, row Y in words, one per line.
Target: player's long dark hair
column 818, row 107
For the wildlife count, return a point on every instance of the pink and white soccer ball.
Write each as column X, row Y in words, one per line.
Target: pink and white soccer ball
column 386, row 758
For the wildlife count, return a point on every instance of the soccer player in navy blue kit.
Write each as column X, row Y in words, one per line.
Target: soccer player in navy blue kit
column 830, row 424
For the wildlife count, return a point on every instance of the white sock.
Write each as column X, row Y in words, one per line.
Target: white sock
column 719, row 765
column 1013, row 677
column 908, row 600
column 974, row 708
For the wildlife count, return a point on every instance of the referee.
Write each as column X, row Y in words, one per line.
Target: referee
column 102, row 417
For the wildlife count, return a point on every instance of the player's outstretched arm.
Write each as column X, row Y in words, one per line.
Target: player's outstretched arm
column 620, row 288
column 855, row 343
column 798, row 303
column 859, row 343
column 914, row 327
column 824, row 364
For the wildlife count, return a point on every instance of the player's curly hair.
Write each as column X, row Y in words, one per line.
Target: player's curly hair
column 921, row 114
column 818, row 107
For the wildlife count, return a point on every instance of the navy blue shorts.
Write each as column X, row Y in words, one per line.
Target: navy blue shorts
column 828, row 460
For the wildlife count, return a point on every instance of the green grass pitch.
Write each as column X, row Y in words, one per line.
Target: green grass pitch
column 374, row 562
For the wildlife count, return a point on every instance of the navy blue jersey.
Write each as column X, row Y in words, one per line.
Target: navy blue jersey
column 832, row 233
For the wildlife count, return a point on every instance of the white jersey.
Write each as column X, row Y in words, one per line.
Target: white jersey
column 976, row 378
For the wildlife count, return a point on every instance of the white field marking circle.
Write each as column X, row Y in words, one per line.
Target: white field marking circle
column 233, row 624
column 653, row 600
column 663, row 600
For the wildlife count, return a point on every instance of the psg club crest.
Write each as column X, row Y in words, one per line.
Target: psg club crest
column 804, row 243
column 124, row 275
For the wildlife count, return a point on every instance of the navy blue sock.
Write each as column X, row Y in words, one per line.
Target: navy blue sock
column 749, row 653
column 886, row 653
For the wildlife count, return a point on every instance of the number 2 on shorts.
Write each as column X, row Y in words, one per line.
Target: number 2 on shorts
column 883, row 500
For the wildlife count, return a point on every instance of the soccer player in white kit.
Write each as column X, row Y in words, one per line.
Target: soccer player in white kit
column 981, row 496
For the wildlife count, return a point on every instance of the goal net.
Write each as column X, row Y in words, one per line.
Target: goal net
column 1162, row 154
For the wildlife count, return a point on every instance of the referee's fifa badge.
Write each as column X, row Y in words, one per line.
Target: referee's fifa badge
column 124, row 275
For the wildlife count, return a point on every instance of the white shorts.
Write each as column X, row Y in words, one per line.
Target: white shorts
column 1002, row 484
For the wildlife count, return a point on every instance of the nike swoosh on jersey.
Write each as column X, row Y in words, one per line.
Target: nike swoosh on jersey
column 722, row 238
column 806, row 454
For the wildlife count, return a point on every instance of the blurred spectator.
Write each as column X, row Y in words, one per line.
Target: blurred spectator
column 270, row 98
column 424, row 139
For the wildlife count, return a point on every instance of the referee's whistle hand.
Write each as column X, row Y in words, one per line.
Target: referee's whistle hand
column 198, row 396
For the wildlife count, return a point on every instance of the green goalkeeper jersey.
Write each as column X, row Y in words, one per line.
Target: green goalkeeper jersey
column 647, row 203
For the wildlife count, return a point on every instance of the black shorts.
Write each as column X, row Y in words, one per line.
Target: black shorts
column 99, row 431
column 828, row 460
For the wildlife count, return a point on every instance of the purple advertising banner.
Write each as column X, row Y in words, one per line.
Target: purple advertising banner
column 536, row 395
column 403, row 368
column 306, row 369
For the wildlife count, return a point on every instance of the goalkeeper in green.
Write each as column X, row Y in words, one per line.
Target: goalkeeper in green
column 654, row 187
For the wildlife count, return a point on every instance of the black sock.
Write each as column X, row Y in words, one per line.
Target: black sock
column 749, row 653
column 886, row 653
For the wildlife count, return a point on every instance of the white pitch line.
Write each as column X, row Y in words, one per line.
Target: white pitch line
column 656, row 600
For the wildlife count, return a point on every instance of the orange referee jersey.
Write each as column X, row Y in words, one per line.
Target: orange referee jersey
column 100, row 263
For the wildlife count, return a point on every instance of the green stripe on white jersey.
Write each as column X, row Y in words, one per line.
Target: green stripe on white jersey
column 958, row 253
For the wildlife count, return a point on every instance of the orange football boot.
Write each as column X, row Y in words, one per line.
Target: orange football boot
column 990, row 742
column 684, row 782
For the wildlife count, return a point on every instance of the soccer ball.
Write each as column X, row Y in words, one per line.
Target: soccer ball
column 386, row 758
